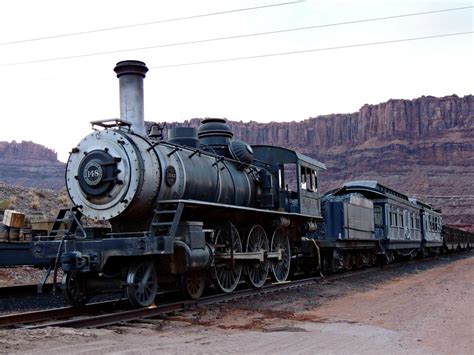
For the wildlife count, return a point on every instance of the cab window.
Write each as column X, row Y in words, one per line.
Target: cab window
column 308, row 179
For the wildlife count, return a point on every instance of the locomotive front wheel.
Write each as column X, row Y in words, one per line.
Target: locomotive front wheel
column 280, row 242
column 193, row 284
column 227, row 272
column 142, row 284
column 257, row 272
column 73, row 287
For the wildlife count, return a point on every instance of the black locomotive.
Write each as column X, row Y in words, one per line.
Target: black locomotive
column 197, row 206
column 203, row 208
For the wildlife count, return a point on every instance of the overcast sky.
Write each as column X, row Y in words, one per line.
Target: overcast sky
column 52, row 102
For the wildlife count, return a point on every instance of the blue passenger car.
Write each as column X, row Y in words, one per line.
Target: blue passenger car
column 403, row 226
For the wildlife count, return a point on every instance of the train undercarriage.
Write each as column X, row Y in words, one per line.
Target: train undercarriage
column 253, row 258
column 182, row 248
column 192, row 254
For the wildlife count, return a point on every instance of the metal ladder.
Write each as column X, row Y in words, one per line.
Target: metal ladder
column 63, row 217
column 166, row 218
column 74, row 217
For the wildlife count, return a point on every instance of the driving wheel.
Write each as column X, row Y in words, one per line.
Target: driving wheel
column 281, row 243
column 227, row 271
column 257, row 271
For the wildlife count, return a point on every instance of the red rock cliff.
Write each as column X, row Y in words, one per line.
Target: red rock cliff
column 30, row 164
column 424, row 147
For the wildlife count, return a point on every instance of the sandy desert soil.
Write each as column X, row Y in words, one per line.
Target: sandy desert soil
column 418, row 309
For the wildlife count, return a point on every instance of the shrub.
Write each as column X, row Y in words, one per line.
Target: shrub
column 4, row 205
column 35, row 203
column 40, row 194
column 64, row 198
column 8, row 204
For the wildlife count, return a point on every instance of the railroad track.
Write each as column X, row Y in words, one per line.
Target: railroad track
column 39, row 316
column 117, row 311
column 88, row 317
column 21, row 319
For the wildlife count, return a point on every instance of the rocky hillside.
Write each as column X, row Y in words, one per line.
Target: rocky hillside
column 30, row 164
column 424, row 147
column 41, row 203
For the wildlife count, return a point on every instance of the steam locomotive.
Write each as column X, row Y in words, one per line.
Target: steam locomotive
column 202, row 207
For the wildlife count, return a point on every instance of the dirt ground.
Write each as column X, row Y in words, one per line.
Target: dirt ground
column 425, row 308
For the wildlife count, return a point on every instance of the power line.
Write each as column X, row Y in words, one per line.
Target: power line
column 235, row 36
column 150, row 23
column 310, row 50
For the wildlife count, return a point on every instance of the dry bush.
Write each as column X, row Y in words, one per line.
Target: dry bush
column 5, row 205
column 35, row 203
column 63, row 198
column 12, row 202
column 40, row 194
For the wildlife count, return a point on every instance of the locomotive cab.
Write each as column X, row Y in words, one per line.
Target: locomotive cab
column 297, row 176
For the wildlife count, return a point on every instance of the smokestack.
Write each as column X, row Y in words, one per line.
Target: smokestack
column 131, row 74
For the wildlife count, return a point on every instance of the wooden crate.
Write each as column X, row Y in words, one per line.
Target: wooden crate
column 13, row 219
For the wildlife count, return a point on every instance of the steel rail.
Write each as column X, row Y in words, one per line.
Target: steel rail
column 154, row 311
column 84, row 320
column 57, row 313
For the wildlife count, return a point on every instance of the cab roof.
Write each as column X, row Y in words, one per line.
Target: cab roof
column 279, row 155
